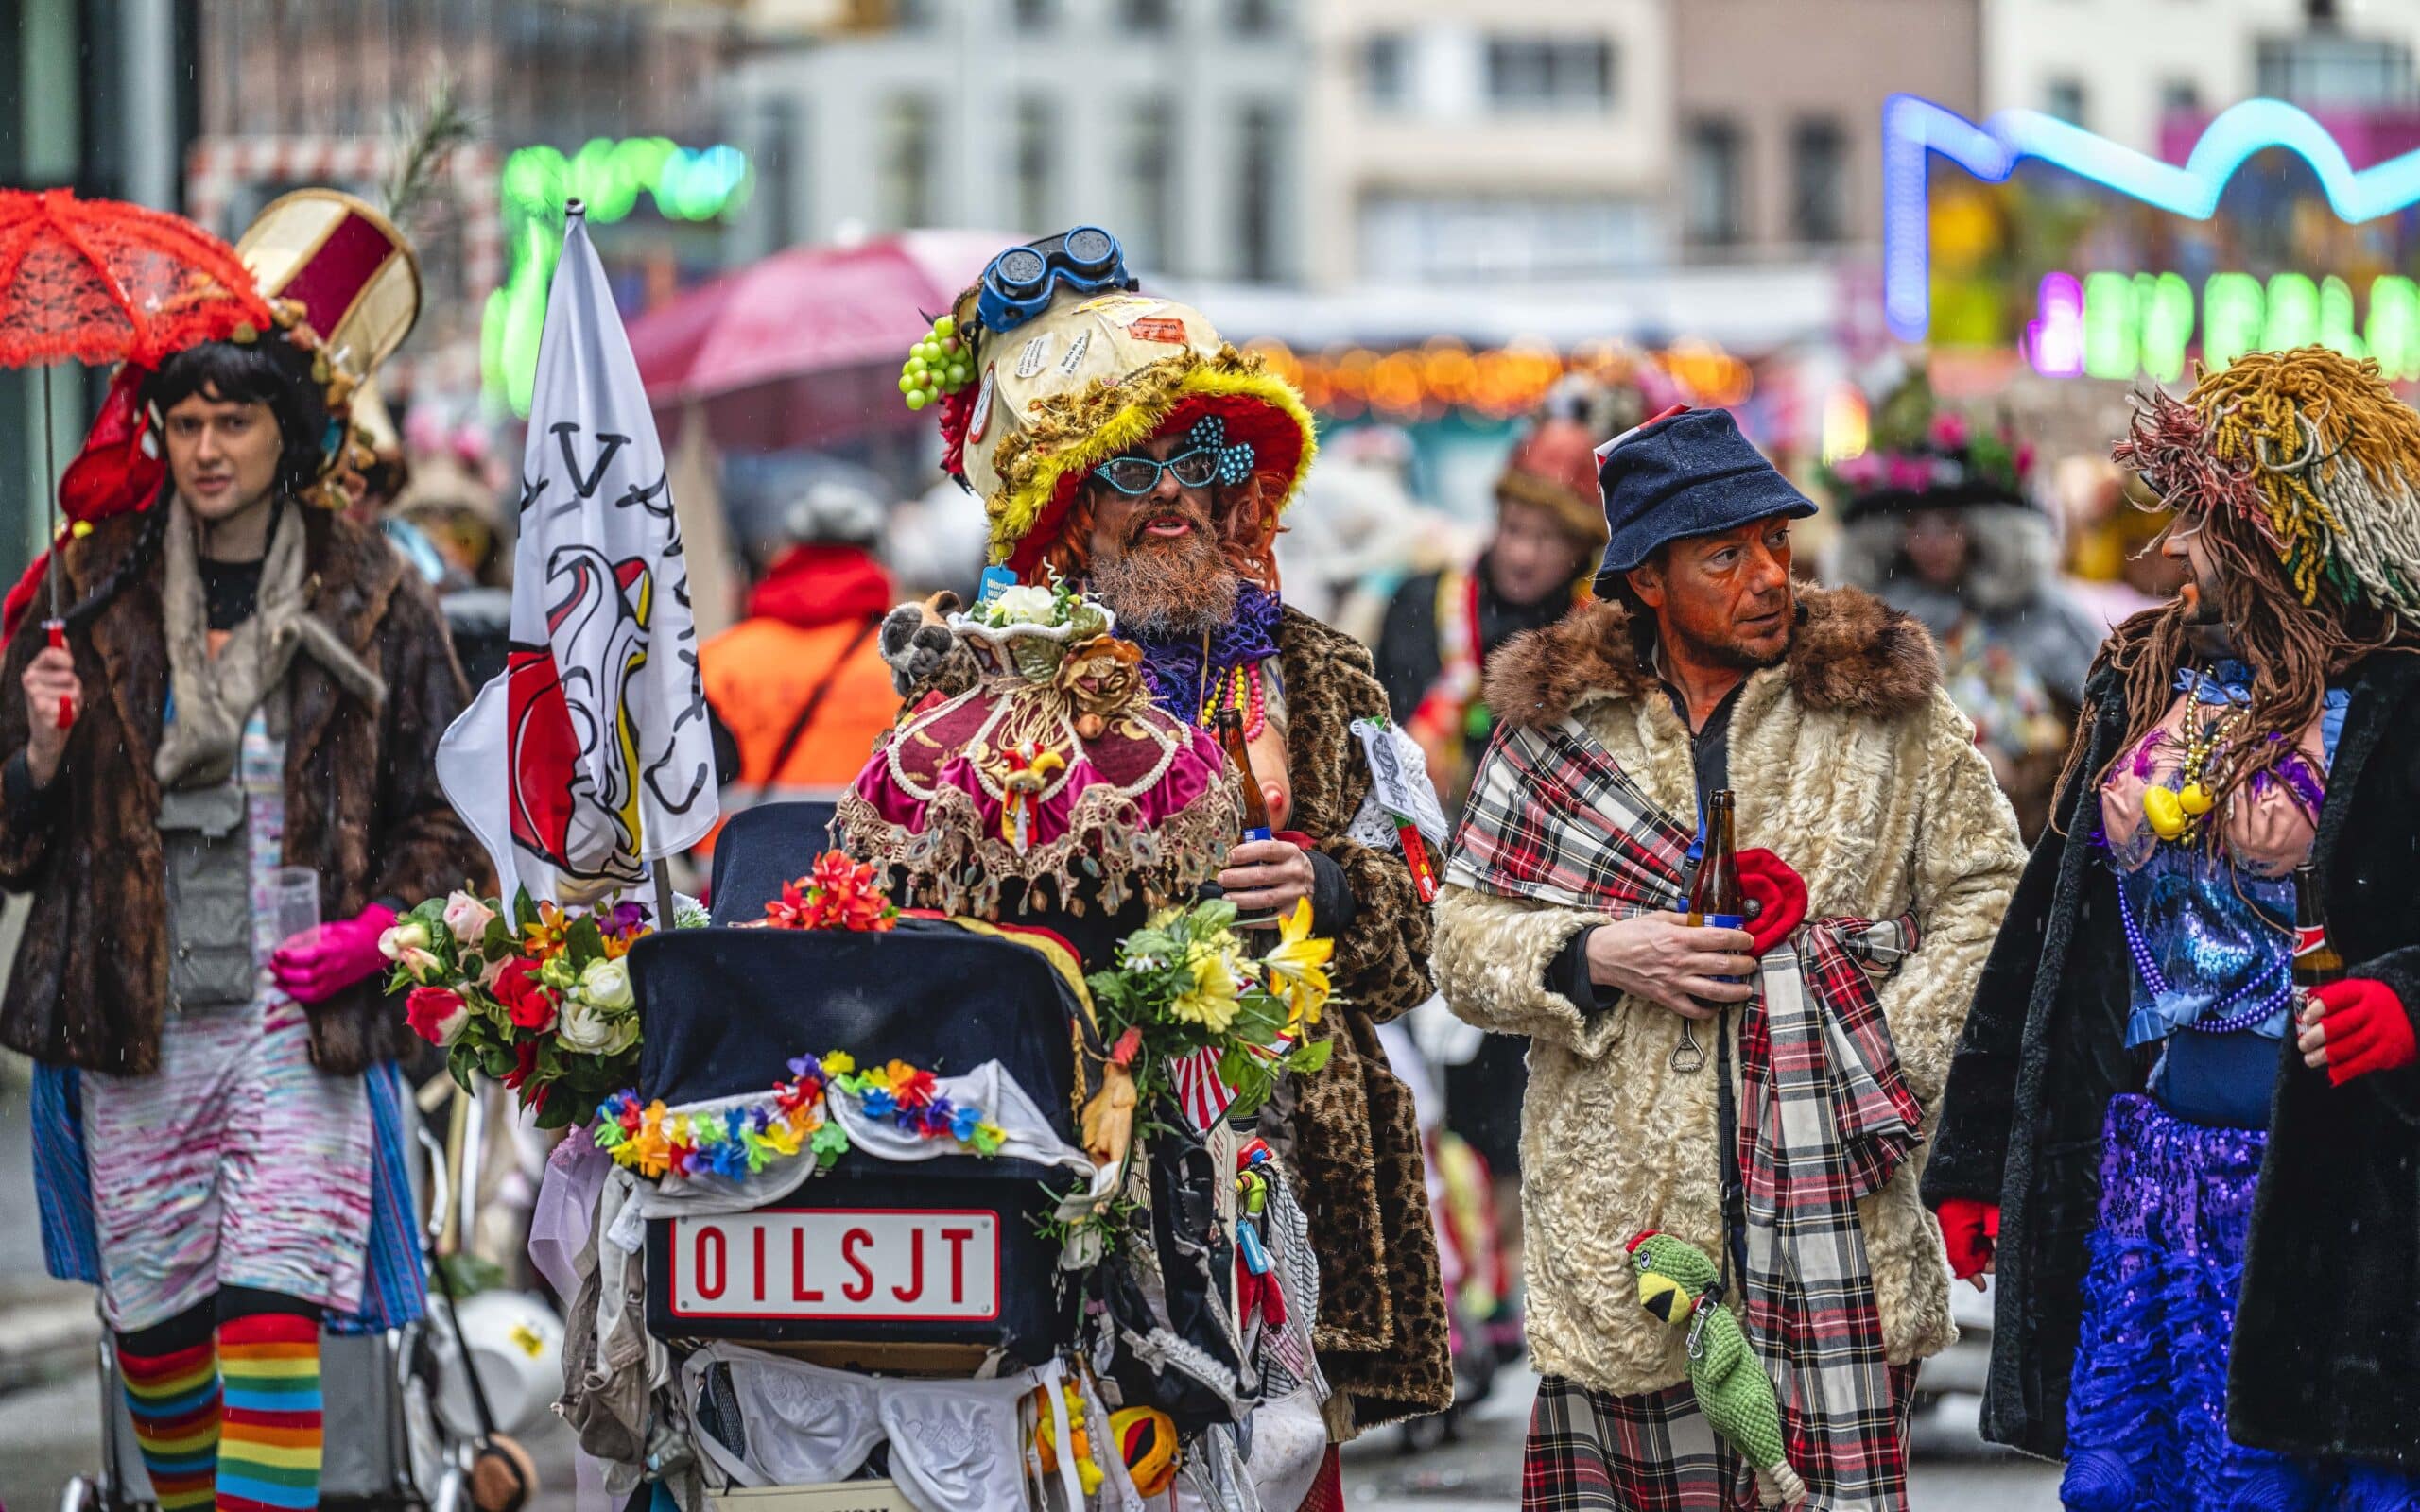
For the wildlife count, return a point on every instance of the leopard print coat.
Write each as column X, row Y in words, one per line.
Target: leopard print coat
column 1382, row 1332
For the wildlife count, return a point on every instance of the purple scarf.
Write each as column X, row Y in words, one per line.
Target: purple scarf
column 1174, row 668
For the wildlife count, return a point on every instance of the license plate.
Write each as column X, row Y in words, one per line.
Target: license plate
column 855, row 1264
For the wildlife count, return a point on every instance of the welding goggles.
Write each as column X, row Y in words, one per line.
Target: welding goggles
column 1019, row 282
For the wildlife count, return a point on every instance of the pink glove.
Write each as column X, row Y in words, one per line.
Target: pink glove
column 320, row 963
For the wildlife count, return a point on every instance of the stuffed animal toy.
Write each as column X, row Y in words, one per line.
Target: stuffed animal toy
column 924, row 656
column 1679, row 1284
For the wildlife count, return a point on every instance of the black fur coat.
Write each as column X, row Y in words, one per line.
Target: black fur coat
column 2326, row 1358
column 91, row 983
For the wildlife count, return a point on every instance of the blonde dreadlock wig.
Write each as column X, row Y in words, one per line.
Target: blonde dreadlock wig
column 2301, row 471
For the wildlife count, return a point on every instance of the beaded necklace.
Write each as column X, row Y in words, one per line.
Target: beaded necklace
column 1237, row 688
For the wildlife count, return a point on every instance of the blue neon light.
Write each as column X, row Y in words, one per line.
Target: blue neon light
column 1912, row 128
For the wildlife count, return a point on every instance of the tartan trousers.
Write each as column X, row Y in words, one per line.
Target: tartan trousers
column 1594, row 1452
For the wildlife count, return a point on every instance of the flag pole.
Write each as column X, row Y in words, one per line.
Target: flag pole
column 663, row 894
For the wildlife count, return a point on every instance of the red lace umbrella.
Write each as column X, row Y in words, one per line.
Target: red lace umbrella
column 96, row 281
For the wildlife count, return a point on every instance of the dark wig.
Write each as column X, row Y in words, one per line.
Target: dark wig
column 270, row 372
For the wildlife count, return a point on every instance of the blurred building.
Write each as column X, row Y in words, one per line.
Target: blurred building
column 94, row 96
column 2150, row 63
column 322, row 92
column 1175, row 123
column 1779, row 113
column 1458, row 140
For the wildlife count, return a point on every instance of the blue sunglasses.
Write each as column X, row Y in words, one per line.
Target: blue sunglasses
column 1208, row 460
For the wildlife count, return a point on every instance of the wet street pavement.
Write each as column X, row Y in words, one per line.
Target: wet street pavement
column 47, row 1433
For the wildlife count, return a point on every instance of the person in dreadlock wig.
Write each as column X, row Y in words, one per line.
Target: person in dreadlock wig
column 2236, row 1328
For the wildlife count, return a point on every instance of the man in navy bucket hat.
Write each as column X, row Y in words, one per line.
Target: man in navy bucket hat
column 1758, row 1092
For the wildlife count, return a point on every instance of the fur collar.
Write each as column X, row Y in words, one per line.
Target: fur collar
column 1853, row 654
column 353, row 572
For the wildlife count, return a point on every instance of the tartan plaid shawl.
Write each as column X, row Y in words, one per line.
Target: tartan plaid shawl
column 1827, row 1116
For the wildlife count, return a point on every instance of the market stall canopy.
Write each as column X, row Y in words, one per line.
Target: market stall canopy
column 803, row 346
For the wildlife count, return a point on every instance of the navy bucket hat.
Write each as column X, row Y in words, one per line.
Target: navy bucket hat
column 1690, row 474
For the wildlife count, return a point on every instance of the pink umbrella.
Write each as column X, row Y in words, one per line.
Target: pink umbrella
column 803, row 348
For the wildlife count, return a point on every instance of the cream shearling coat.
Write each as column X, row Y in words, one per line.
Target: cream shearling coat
column 1853, row 766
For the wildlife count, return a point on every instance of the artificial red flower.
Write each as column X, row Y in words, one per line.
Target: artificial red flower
column 436, row 1014
column 910, row 1087
column 525, row 1065
column 526, row 999
column 1778, row 893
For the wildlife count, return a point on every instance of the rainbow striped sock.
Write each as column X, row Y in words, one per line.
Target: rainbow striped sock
column 173, row 1399
column 268, row 1448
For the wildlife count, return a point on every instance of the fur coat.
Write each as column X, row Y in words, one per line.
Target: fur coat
column 1853, row 766
column 1382, row 1332
column 90, row 987
column 2326, row 1351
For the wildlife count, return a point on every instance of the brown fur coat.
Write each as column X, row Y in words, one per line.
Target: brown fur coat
column 1851, row 763
column 91, row 983
column 1382, row 1332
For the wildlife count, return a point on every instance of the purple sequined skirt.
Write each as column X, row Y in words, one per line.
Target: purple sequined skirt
column 2147, row 1416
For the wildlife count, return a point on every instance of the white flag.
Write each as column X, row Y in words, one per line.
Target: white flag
column 590, row 755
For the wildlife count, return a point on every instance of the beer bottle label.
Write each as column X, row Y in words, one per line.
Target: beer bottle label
column 2310, row 940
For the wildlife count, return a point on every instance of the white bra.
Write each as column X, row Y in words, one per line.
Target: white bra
column 955, row 1446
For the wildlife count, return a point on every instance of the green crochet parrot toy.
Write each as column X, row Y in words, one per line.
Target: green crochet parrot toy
column 1679, row 1284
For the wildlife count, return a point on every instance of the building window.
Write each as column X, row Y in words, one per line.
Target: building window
column 2064, row 98
column 1150, row 159
column 1549, row 73
column 1145, row 15
column 1035, row 15
column 1255, row 17
column 1714, row 187
column 908, row 163
column 1257, row 212
column 1819, row 164
column 1386, row 70
column 1031, row 168
column 2180, row 96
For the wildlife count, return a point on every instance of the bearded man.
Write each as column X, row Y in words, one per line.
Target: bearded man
column 1777, row 1127
column 1118, row 442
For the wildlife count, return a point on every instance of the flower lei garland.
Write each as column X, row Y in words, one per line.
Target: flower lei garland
column 794, row 1118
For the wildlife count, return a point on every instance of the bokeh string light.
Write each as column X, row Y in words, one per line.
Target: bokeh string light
column 1443, row 375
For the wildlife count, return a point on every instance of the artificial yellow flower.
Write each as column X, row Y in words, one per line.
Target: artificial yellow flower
column 779, row 1136
column 1298, row 966
column 839, row 1063
column 1210, row 1002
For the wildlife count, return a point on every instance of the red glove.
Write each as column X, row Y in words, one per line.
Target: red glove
column 320, row 963
column 2364, row 1028
column 1971, row 1229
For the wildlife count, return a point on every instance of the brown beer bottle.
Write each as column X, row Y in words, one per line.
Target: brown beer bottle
column 2316, row 960
column 1715, row 898
column 1231, row 738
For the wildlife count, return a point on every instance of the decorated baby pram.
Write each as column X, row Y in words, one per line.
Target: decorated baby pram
column 908, row 1206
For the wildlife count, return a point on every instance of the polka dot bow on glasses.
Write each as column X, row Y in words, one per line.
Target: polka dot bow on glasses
column 1209, row 434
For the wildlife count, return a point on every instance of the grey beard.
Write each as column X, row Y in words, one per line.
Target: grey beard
column 1159, row 594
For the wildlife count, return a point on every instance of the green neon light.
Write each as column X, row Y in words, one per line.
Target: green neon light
column 608, row 178
column 2142, row 323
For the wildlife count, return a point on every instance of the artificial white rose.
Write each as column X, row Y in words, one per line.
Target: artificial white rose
column 607, row 984
column 1024, row 603
column 468, row 918
column 424, row 966
column 410, row 935
column 583, row 1027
